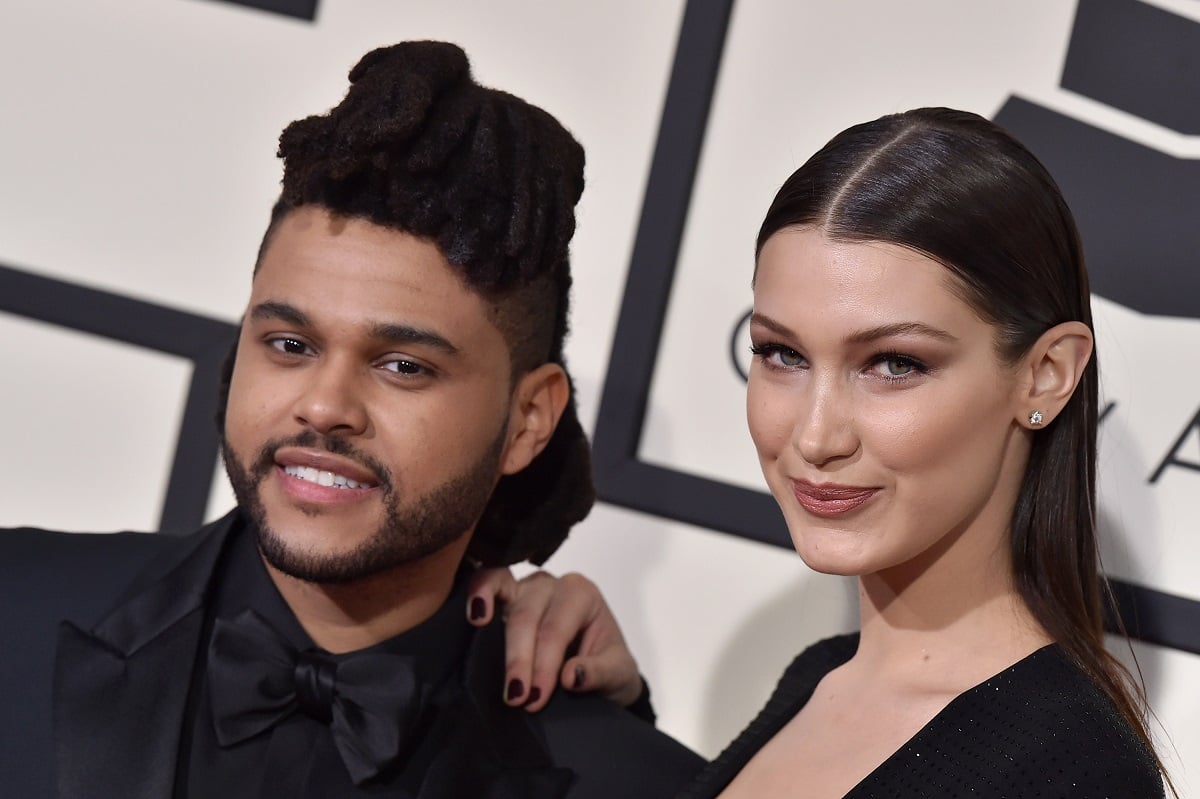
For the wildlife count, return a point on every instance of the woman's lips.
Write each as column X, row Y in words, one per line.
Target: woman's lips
column 829, row 499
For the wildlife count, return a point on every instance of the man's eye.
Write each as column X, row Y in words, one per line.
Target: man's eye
column 403, row 367
column 289, row 345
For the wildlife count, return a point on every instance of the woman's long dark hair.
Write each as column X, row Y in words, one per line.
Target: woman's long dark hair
column 958, row 188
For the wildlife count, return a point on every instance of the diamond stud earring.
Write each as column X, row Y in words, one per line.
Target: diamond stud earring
column 1035, row 418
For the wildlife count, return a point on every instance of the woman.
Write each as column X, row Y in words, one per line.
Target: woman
column 923, row 399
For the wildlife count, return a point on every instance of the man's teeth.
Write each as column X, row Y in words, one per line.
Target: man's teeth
column 322, row 477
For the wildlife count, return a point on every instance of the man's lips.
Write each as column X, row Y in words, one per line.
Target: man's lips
column 304, row 461
column 317, row 476
column 830, row 499
column 322, row 477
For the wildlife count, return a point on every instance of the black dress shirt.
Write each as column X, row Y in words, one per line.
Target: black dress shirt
column 297, row 757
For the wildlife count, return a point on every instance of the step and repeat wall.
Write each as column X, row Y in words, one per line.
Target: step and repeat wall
column 137, row 168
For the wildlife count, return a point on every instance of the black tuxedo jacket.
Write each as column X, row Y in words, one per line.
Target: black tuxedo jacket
column 99, row 635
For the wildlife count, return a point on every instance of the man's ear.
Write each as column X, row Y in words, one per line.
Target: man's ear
column 1050, row 372
column 538, row 402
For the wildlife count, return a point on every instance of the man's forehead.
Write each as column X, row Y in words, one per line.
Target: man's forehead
column 386, row 283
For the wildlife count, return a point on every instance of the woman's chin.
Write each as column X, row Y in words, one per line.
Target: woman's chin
column 840, row 564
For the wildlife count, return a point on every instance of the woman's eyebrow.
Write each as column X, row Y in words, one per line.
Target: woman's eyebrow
column 899, row 329
column 864, row 336
column 763, row 320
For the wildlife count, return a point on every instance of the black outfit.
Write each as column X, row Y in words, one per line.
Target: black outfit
column 106, row 690
column 1039, row 729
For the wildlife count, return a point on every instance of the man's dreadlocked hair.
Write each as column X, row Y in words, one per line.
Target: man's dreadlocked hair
column 418, row 146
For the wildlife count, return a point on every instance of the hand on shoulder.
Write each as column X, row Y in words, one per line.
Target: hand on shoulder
column 559, row 631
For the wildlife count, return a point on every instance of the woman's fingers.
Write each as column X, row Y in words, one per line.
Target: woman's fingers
column 486, row 589
column 523, row 618
column 556, row 629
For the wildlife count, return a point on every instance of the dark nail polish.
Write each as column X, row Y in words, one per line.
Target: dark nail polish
column 478, row 608
column 579, row 675
column 515, row 689
column 535, row 694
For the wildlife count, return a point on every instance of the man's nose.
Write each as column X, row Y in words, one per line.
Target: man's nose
column 331, row 402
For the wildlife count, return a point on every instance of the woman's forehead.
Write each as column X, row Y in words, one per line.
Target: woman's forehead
column 803, row 274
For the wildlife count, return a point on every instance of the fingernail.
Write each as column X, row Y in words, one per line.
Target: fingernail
column 579, row 675
column 515, row 689
column 478, row 608
column 535, row 694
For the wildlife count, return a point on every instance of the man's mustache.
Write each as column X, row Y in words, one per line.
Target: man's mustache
column 265, row 461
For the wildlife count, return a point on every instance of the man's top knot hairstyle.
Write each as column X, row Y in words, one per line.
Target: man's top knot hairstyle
column 417, row 145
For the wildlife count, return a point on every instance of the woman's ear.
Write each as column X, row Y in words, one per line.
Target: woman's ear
column 1051, row 370
column 537, row 404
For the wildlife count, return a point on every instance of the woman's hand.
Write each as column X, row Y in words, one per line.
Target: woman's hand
column 558, row 630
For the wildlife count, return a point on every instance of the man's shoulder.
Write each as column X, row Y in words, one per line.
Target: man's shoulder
column 613, row 752
column 76, row 575
column 45, row 562
column 32, row 547
column 610, row 751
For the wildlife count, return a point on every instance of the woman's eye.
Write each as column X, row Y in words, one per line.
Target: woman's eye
column 778, row 355
column 789, row 357
column 291, row 346
column 896, row 366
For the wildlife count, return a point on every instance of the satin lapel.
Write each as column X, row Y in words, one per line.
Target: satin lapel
column 493, row 751
column 120, row 688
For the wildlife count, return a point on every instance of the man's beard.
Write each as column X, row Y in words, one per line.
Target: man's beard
column 408, row 533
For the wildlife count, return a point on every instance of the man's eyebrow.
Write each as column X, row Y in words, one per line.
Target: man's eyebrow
column 280, row 311
column 389, row 332
column 864, row 336
column 407, row 334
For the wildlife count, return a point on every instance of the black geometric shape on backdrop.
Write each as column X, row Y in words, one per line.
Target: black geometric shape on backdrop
column 300, row 9
column 1157, row 617
column 1138, row 58
column 202, row 340
column 1138, row 209
column 621, row 477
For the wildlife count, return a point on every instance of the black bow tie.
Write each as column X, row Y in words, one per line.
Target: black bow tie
column 371, row 701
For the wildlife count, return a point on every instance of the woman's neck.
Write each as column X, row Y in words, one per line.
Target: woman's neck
column 946, row 625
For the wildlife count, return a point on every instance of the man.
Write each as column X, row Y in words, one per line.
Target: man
column 397, row 405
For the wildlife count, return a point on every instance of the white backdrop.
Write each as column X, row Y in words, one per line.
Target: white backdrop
column 137, row 156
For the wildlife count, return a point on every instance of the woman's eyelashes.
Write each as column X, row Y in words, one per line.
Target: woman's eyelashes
column 777, row 356
column 894, row 367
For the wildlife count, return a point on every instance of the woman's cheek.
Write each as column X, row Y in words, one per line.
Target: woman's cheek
column 768, row 419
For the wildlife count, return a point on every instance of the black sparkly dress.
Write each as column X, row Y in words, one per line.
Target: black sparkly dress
column 1040, row 729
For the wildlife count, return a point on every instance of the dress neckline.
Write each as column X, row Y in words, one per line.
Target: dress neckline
column 827, row 655
column 931, row 730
